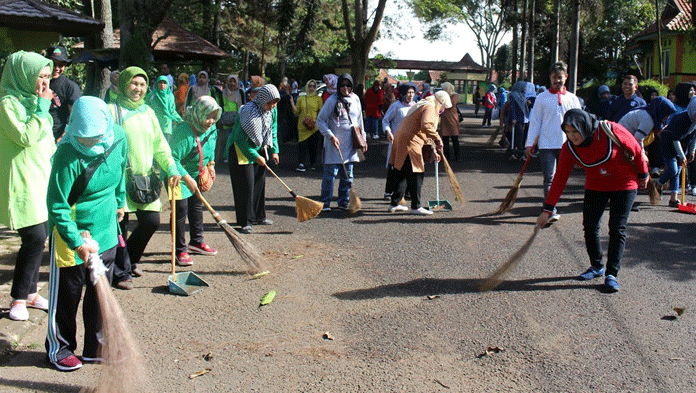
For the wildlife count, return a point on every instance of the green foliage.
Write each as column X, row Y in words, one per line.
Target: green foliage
column 503, row 63
column 421, row 76
column 651, row 83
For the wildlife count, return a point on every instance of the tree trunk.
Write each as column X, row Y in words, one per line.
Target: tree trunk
column 574, row 47
column 514, row 42
column 96, row 77
column 360, row 37
column 523, row 43
column 532, row 38
column 556, row 41
column 659, row 42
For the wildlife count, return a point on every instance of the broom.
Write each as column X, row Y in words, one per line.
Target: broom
column 496, row 278
column 354, row 204
column 454, row 184
column 247, row 252
column 511, row 196
column 495, row 134
column 306, row 208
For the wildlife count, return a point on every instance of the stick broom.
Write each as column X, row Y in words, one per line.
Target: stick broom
column 497, row 277
column 306, row 208
column 511, row 196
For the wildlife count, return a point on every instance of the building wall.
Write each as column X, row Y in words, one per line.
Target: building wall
column 682, row 59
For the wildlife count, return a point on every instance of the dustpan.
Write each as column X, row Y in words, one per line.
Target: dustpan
column 437, row 204
column 685, row 207
column 184, row 283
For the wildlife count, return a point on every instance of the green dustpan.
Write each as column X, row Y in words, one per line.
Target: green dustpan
column 186, row 283
column 437, row 205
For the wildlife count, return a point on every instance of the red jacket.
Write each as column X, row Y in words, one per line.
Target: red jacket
column 606, row 168
column 489, row 100
column 373, row 102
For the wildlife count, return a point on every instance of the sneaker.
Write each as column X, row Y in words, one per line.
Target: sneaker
column 693, row 190
column 71, row 363
column 125, row 285
column 265, row 221
column 92, row 359
column 655, row 172
column 326, row 208
column 18, row 310
column 301, row 168
column 136, row 272
column 397, row 208
column 591, row 273
column 246, row 229
column 201, row 249
column 184, row 259
column 673, row 203
column 554, row 217
column 387, row 196
column 610, row 284
column 421, row 211
column 37, row 301
column 343, row 207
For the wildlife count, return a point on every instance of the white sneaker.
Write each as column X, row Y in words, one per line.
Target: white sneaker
column 37, row 301
column 554, row 217
column 18, row 310
column 397, row 208
column 693, row 190
column 421, row 211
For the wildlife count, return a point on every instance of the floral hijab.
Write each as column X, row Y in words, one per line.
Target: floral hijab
column 198, row 113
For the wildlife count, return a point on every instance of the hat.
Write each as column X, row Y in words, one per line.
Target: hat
column 57, row 54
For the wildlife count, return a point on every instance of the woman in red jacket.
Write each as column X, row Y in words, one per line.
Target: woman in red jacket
column 610, row 178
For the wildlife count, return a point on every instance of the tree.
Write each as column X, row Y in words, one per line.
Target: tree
column 138, row 20
column 360, row 36
column 503, row 63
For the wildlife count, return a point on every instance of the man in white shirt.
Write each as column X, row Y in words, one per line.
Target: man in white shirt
column 545, row 121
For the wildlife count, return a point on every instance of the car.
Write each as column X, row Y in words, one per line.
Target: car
column 321, row 88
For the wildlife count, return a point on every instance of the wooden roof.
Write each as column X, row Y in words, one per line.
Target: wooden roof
column 675, row 18
column 466, row 64
column 37, row 16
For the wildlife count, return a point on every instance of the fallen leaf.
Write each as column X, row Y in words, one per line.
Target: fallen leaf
column 679, row 311
column 490, row 351
column 328, row 336
column 267, row 298
column 298, row 256
column 431, row 297
column 441, row 384
column 259, row 275
column 208, row 357
column 669, row 318
column 198, row 374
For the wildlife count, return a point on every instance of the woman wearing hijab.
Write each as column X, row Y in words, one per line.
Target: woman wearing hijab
column 233, row 98
column 489, row 102
column 331, row 82
column 678, row 136
column 146, row 144
column 252, row 143
column 202, row 88
column 419, row 126
column 641, row 122
column 112, row 92
column 26, row 147
column 307, row 110
column 391, row 122
column 180, row 94
column 193, row 148
column 610, row 178
column 449, row 129
column 161, row 100
column 684, row 91
column 341, row 111
column 287, row 126
column 518, row 119
column 86, row 192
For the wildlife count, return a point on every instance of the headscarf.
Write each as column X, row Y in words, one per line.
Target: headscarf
column 232, row 96
column 192, row 80
column 331, row 81
column 601, row 90
column 182, row 79
column 342, row 105
column 491, row 88
column 200, row 90
column 530, row 91
column 440, row 97
column 257, row 123
column 19, row 77
column 124, row 80
column 307, row 88
column 165, row 97
column 682, row 92
column 113, row 78
column 448, row 87
column 584, row 122
column 403, row 90
column 90, row 118
column 658, row 108
column 517, row 95
column 198, row 112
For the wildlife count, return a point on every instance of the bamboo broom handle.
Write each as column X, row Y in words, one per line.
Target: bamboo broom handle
column 683, row 181
column 212, row 211
column 342, row 163
column 281, row 181
column 173, row 201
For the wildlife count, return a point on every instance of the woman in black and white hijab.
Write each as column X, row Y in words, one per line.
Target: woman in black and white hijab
column 252, row 142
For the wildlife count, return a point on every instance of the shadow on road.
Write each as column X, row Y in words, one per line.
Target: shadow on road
column 39, row 386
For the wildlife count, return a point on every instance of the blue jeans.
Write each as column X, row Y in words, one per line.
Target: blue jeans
column 671, row 174
column 594, row 204
column 372, row 125
column 548, row 158
column 327, row 184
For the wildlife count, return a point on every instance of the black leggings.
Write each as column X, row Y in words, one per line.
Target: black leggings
column 407, row 180
column 26, row 272
column 455, row 146
column 148, row 223
column 249, row 189
column 310, row 147
column 193, row 208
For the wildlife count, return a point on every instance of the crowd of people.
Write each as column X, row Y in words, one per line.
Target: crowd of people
column 78, row 169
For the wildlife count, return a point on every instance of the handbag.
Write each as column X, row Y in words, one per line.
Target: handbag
column 308, row 121
column 359, row 141
column 205, row 175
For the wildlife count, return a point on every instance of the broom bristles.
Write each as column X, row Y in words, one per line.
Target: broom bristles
column 454, row 184
column 496, row 278
column 495, row 134
column 307, row 208
column 511, row 197
column 123, row 369
column 247, row 252
column 355, row 204
column 653, row 193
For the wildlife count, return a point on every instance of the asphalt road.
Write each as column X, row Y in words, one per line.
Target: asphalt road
column 398, row 296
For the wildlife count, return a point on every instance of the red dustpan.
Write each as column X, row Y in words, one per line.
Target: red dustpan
column 685, row 207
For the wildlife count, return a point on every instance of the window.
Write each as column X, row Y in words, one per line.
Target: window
column 665, row 63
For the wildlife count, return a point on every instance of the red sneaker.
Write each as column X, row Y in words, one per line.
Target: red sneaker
column 184, row 259
column 71, row 363
column 202, row 249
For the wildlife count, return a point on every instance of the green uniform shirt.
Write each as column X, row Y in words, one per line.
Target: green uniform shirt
column 182, row 143
column 246, row 151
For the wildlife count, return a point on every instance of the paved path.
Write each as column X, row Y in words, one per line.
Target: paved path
column 366, row 279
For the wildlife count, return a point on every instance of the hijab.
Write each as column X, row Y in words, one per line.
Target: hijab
column 658, row 108
column 113, row 78
column 682, row 92
column 517, row 95
column 331, row 81
column 90, row 118
column 198, row 113
column 491, row 88
column 257, row 123
column 232, row 96
column 182, row 79
column 192, row 80
column 403, row 91
column 314, row 93
column 530, row 91
column 584, row 122
column 200, row 90
column 601, row 90
column 448, row 87
column 441, row 97
column 164, row 97
column 20, row 75
column 342, row 105
column 124, row 80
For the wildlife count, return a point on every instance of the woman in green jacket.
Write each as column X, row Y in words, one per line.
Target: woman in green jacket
column 86, row 192
column 26, row 147
column 193, row 148
column 146, row 143
column 161, row 100
column 253, row 142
